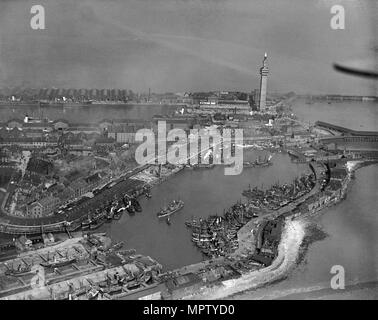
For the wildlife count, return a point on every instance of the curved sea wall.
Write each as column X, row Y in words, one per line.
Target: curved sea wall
column 288, row 252
column 289, row 249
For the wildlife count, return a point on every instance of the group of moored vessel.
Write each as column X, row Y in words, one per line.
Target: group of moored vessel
column 258, row 162
column 279, row 195
column 217, row 235
column 113, row 210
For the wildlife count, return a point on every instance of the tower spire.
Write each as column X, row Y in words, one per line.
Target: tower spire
column 264, row 70
column 265, row 58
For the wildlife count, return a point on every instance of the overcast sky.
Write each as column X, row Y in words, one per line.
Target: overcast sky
column 185, row 45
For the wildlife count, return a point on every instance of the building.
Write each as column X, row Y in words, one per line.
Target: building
column 79, row 187
column 263, row 83
column 61, row 124
column 183, row 285
column 29, row 143
column 37, row 126
column 39, row 166
column 185, row 122
column 105, row 142
column 94, row 180
column 124, row 131
column 43, row 207
column 86, row 128
column 14, row 123
column 48, row 238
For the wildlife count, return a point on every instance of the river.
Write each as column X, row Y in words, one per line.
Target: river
column 92, row 114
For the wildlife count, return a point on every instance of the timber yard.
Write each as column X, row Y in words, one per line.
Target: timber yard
column 62, row 182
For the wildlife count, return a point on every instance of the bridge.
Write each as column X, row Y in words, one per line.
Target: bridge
column 352, row 140
column 338, row 97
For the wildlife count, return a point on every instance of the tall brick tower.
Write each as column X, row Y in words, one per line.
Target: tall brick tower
column 264, row 70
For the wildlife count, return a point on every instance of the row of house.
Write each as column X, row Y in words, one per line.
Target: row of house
column 68, row 94
column 47, row 205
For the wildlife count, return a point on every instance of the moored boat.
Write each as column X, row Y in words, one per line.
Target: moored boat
column 97, row 224
column 135, row 203
column 60, row 262
column 19, row 272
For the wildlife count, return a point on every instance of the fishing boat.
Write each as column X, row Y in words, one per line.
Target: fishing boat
column 118, row 214
column 19, row 272
column 135, row 203
column 110, row 215
column 97, row 224
column 60, row 262
column 92, row 294
column 258, row 162
column 118, row 245
column 112, row 290
column 79, row 292
column 133, row 285
column 130, row 209
column 248, row 164
column 265, row 162
column 173, row 207
column 86, row 223
column 127, row 252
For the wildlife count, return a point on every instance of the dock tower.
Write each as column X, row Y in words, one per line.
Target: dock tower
column 264, row 70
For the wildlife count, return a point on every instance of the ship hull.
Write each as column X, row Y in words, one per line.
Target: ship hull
column 169, row 213
column 57, row 264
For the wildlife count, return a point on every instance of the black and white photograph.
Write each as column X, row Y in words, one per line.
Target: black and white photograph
column 188, row 155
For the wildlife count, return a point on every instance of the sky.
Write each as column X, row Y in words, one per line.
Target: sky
column 186, row 45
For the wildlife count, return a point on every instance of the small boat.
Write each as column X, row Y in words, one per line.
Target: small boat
column 173, row 207
column 148, row 195
column 168, row 221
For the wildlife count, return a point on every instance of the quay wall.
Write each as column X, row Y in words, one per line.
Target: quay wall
column 66, row 225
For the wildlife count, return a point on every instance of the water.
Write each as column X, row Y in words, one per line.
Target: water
column 353, row 114
column 90, row 114
column 205, row 192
